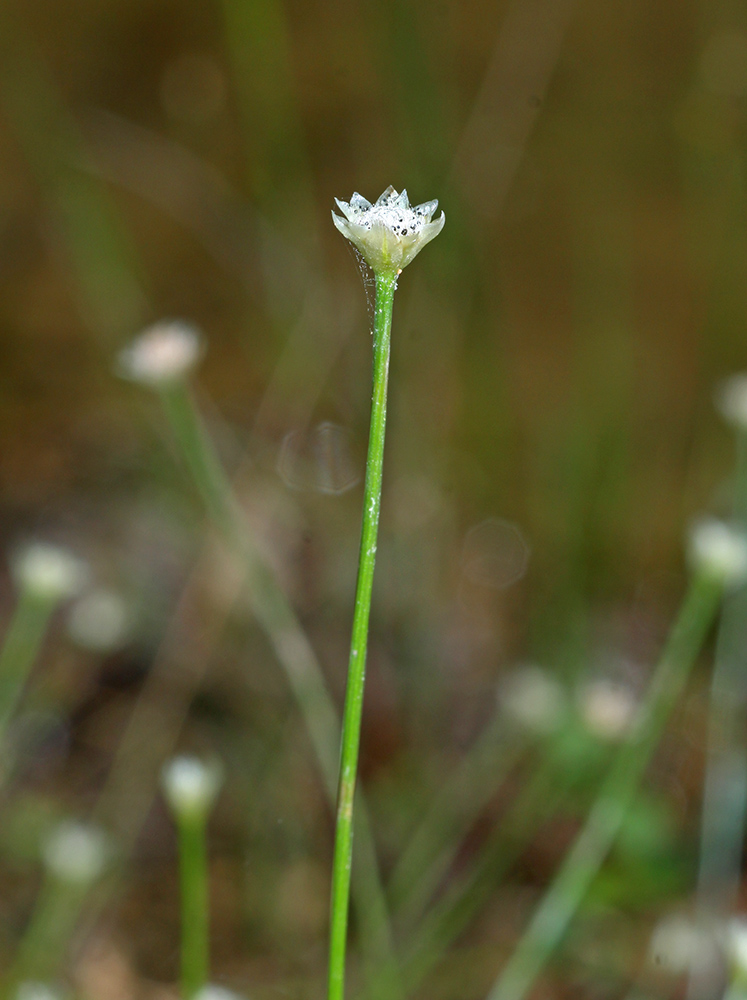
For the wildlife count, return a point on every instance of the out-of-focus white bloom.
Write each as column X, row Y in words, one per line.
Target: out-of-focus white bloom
column 164, row 353
column 76, row 852
column 214, row 992
column 608, row 709
column 735, row 945
column 731, row 400
column 678, row 946
column 532, row 698
column 48, row 572
column 99, row 620
column 29, row 989
column 191, row 785
column 390, row 233
column 719, row 550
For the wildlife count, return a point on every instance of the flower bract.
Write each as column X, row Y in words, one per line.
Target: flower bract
column 389, row 233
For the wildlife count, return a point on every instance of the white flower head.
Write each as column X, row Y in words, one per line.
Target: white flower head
column 390, row 233
column 48, row 572
column 731, row 401
column 76, row 852
column 191, row 785
column 163, row 353
column 719, row 550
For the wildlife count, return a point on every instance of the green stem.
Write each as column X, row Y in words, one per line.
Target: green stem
column 593, row 843
column 351, row 723
column 193, row 881
column 22, row 642
column 452, row 913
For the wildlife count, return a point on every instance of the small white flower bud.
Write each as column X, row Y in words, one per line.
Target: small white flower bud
column 533, row 699
column 719, row 550
column 731, row 400
column 164, row 353
column 76, row 852
column 48, row 572
column 607, row 708
column 191, row 786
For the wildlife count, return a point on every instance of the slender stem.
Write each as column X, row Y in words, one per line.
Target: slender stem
column 595, row 839
column 351, row 723
column 437, row 838
column 451, row 914
column 193, row 880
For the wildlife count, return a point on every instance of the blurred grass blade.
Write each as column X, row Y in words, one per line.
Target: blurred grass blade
column 537, row 801
column 103, row 256
column 435, row 842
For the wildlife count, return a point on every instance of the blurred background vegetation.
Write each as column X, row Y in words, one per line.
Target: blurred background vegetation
column 551, row 433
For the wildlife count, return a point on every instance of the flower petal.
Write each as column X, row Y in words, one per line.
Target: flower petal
column 358, row 202
column 427, row 209
column 386, row 197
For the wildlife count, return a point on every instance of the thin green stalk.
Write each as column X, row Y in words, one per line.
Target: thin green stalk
column 462, row 900
column 296, row 655
column 436, row 840
column 23, row 640
column 195, row 908
column 593, row 843
column 351, row 723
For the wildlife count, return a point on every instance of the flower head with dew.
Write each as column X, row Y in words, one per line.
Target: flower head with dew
column 388, row 234
column 76, row 852
column 191, row 785
column 163, row 354
column 719, row 550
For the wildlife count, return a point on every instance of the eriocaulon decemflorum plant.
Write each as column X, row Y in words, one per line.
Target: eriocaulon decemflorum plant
column 190, row 787
column 718, row 558
column 163, row 357
column 388, row 235
column 74, row 855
